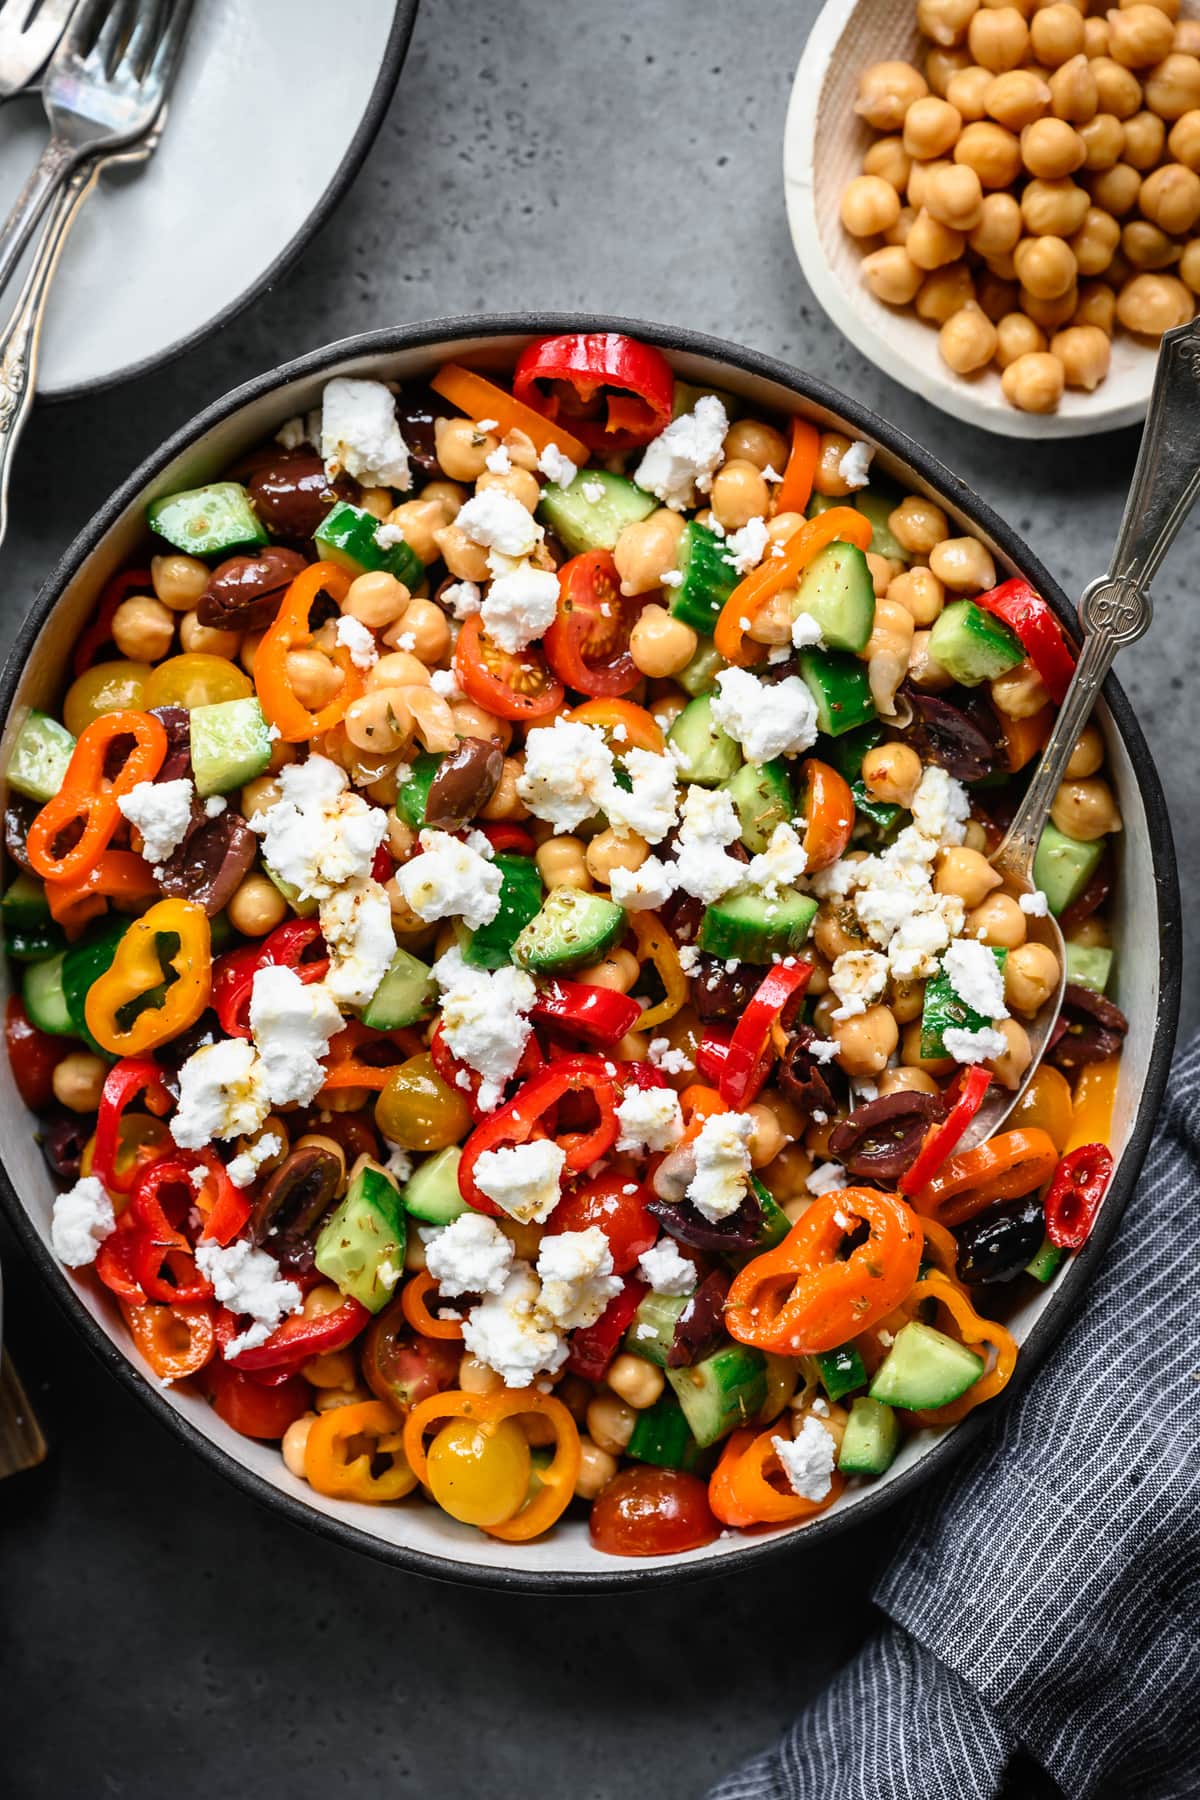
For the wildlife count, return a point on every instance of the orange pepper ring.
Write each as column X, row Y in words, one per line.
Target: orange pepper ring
column 87, row 793
column 414, row 1305
column 152, row 1327
column 973, row 1330
column 778, row 572
column 1003, row 1168
column 289, row 631
column 332, row 1473
column 558, row 1478
column 757, row 1500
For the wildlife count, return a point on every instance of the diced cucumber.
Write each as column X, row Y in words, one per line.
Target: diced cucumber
column 973, row 646
column 819, row 503
column 1064, row 865
column 581, row 523
column 521, row 894
column 705, row 754
column 749, row 926
column 722, row 1392
column 846, row 753
column 662, row 1436
column 1045, row 1262
column 346, row 536
column 1089, row 966
column 842, row 1371
column 883, row 819
column 709, row 577
column 432, row 1193
column 360, row 1247
column 840, row 688
column 34, row 943
column 571, row 928
column 38, row 764
column 701, row 673
column 406, row 994
column 230, row 745
column 762, row 795
column 871, row 1438
column 651, row 1331
column 214, row 520
column 942, row 1008
column 45, row 999
column 924, row 1368
column 24, row 906
column 84, row 963
column 878, row 504
column 836, row 590
column 412, row 795
column 304, row 909
column 774, row 1225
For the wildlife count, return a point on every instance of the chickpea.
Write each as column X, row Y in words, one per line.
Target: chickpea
column 381, row 721
column 1152, row 304
column 295, row 1442
column 645, row 551
column 966, row 874
column 1033, row 382
column 1031, row 974
column 1002, row 268
column 1019, row 693
column 998, row 38
column 610, row 1422
column 1085, row 809
column 993, row 153
column 596, row 1469
column 375, row 599
column 429, row 630
column 609, row 850
column 257, row 907
column 954, row 197
column 1095, row 243
column 891, row 275
column 1142, row 142
column 999, row 226
column 998, row 921
column 399, row 669
column 667, row 708
column 918, row 181
column 1095, row 37
column 931, row 127
column 1139, row 36
column 931, row 245
column 828, row 479
column 561, row 863
column 1103, row 140
column 1088, row 754
column 943, row 292
column 619, row 970
column 1116, row 189
column 1014, row 100
column 869, row 204
column 143, row 629
column 907, row 1081
column 1118, row 90
column 967, row 341
column 910, row 1053
column 78, row 1081
column 259, row 795
column 739, row 490
column 892, row 773
column 1053, row 208
column 1085, row 353
column 1017, row 335
column 1183, row 143
column 1170, row 197
column 1056, row 34
column 505, row 802
column 906, row 999
column 966, row 92
column 945, row 21
column 1074, row 95
column 465, row 559
column 179, row 581
column 659, row 644
column 886, row 90
column 1147, row 246
column 519, row 484
column 420, row 521
column 1173, row 86
column 998, row 298
column 963, row 565
column 250, row 644
column 883, row 569
column 450, row 496
column 918, row 525
column 920, row 593
column 768, row 1136
column 474, row 1377
column 1045, row 266
column 923, row 667
column 638, row 1382
column 1187, row 36
column 322, row 1299
column 751, row 440
column 462, row 449
column 401, row 838
column 207, row 640
column 866, row 1041
column 835, row 932
column 1051, row 149
column 1189, row 266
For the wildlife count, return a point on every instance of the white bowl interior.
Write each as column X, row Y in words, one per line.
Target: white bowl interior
column 415, row 1525
column 824, row 144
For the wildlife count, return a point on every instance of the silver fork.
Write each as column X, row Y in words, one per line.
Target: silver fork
column 28, row 33
column 103, row 88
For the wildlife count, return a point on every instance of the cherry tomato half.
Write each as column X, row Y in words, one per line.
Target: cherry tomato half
column 511, row 686
column 419, row 1110
column 254, row 1410
column 621, row 1216
column 652, row 1512
column 401, row 1367
column 588, row 643
column 829, row 809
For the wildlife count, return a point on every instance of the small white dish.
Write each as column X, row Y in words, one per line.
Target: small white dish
column 274, row 108
column 823, row 146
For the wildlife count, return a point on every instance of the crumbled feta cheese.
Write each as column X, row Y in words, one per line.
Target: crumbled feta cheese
column 767, row 719
column 976, row 978
column 81, row 1220
column 360, row 435
column 523, row 1179
column 671, row 578
column 214, row 806
column 557, row 467
column 823, row 1050
column 974, row 1046
column 520, row 604
column 494, row 520
column 666, row 1270
column 807, row 1459
column 1035, row 904
column 450, row 879
column 685, row 456
column 387, row 535
column 292, row 1023
column 223, row 1093
column 782, row 862
column 806, row 633
column 243, row 1168
column 670, row 1062
column 649, row 1118
column 162, row 812
column 722, row 1165
column 305, row 428
column 356, row 924
column 593, row 491
column 648, row 807
column 499, row 461
column 443, row 682
column 826, row 1178
column 463, row 598
column 941, row 806
column 855, row 466
column 744, row 549
column 249, row 1283
column 470, row 1256
column 576, row 1272
column 858, row 977
column 318, row 836
column 399, row 1163
column 508, row 1332
column 647, row 887
column 701, row 868
column 358, row 640
column 484, row 1019
column 568, row 773
column 689, row 958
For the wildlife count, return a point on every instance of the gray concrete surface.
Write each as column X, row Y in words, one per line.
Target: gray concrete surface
column 158, row 1634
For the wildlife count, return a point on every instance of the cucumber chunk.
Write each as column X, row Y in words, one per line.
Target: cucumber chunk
column 837, row 591
column 705, row 754
column 752, row 928
column 1043, row 1265
column 45, row 998
column 432, row 1192
column 846, row 753
column 571, row 928
column 521, row 894
column 881, row 820
column 214, row 520
column 662, row 1436
column 942, row 1008
column 971, row 645
column 871, row 1438
column 412, row 795
column 651, row 1331
column 762, row 796
column 37, row 766
column 581, row 523
column 724, row 1391
column 406, row 994
column 1064, row 865
column 230, row 745
column 24, row 905
column 842, row 1371
column 360, row 1247
column 84, row 963
column 840, row 688
column 774, row 1226
column 877, row 504
column 701, row 673
column 924, row 1368
column 709, row 577
column 1089, row 966
column 304, row 909
column 346, row 536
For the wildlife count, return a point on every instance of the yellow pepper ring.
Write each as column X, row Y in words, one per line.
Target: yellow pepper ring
column 558, row 1478
column 136, row 970
column 331, row 1470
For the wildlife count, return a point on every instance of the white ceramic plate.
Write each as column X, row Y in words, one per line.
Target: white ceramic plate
column 274, row 107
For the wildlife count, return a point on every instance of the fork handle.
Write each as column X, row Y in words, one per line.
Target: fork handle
column 45, row 179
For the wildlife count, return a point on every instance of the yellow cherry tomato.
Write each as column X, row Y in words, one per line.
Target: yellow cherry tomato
column 478, row 1472
column 420, row 1111
column 195, row 679
column 107, row 687
column 1046, row 1105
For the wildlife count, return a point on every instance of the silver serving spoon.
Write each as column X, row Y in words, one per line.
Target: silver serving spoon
column 1114, row 610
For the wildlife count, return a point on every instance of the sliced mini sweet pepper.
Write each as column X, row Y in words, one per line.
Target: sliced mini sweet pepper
column 289, row 631
column 414, row 1303
column 795, row 490
column 160, row 1256
column 599, row 1015
column 965, row 1097
column 233, row 974
column 529, row 1111
column 556, row 1481
column 116, row 874
column 741, row 1492
column 629, row 382
column 934, row 1284
column 776, row 573
column 338, row 1461
column 748, row 1059
column 136, row 977
column 297, row 1340
column 1079, row 1185
column 1003, row 1168
column 1095, row 1097
column 656, row 945
column 84, row 811
column 173, row 1340
column 126, row 1081
column 1024, row 611
column 347, row 1067
column 225, row 1208
column 480, row 398
column 593, row 1347
column 626, row 725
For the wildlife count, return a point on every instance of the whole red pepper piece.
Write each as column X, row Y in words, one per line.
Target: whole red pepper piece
column 601, row 1015
column 965, row 1095
column 523, row 1116
column 132, row 1076
column 1024, row 611
column 635, row 380
column 1076, row 1190
column 594, row 1346
column 748, row 1062
column 297, row 1340
column 32, row 1055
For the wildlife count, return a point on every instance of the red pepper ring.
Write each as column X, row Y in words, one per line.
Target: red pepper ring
column 517, row 1122
column 466, row 1080
column 297, row 1340
column 158, row 1244
column 132, row 1076
column 601, row 1015
column 114, row 1263
column 748, row 1060
column 224, row 1206
column 593, row 1347
column 965, row 1097
column 1024, row 611
column 1079, row 1184
column 594, row 363
column 233, row 974
column 88, row 795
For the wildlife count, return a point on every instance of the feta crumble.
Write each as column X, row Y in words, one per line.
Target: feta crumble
column 243, row 1168
column 557, row 467
column 649, row 886
column 463, row 598
column 744, row 548
column 248, row 1282
column 356, row 924
column 686, row 455
column 767, row 719
column 508, row 1333
column 494, row 520
column 318, row 836
column 975, row 976
column 855, row 466
column 470, row 1256
column 722, row 1165
column 483, row 1014
column 568, row 773
column 520, row 604
column 806, row 633
column 666, row 1270
column 648, row 807
column 360, row 435
column 974, row 1046
column 162, row 812
column 826, row 1178
column 355, row 637
column 291, row 1023
column 650, row 1119
column 81, row 1220
column 576, row 1272
column 858, row 978
column 523, row 1179
column 782, row 862
column 1034, row 904
column 223, row 1093
column 808, row 1459
column 450, row 879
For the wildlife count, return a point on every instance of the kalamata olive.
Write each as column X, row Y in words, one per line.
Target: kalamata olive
column 295, row 1198
column 953, row 734
column 353, row 1131
column 802, row 1080
column 465, row 781
column 417, row 406
column 244, row 593
column 682, row 915
column 881, row 1138
column 293, row 494
column 211, row 863
column 177, row 723
column 718, row 993
column 19, row 815
column 1092, row 898
column 701, row 1323
column 998, row 1244
column 62, row 1136
column 779, row 671
column 1089, row 1029
column 740, row 1231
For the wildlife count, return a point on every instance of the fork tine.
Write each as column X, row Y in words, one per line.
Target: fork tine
column 166, row 57
column 104, row 50
column 142, row 37
column 85, row 25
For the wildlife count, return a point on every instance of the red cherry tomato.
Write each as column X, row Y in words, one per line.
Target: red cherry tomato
column 588, row 643
column 254, row 1410
column 652, row 1512
column 829, row 810
column 510, row 686
column 401, row 1367
column 621, row 1216
column 31, row 1056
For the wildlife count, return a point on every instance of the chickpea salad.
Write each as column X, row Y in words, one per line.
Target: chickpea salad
column 507, row 955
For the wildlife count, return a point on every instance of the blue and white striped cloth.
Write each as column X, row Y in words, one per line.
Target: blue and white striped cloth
column 1049, row 1600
